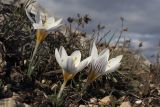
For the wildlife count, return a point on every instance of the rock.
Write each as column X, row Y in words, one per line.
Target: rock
column 10, row 102
column 84, row 81
column 106, row 100
column 121, row 99
column 126, row 104
column 138, row 102
column 5, row 88
column 102, row 91
column 82, row 106
column 152, row 86
column 158, row 92
column 70, row 105
column 92, row 105
column 43, row 81
column 93, row 100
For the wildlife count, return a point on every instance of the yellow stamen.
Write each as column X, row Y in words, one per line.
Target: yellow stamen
column 41, row 35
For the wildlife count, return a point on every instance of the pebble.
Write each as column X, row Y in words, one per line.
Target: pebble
column 138, row 102
column 106, row 100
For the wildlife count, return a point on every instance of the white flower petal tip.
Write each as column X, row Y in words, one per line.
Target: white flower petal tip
column 100, row 65
column 59, row 21
column 62, row 52
column 58, row 58
column 83, row 64
column 94, row 51
column 119, row 58
column 76, row 57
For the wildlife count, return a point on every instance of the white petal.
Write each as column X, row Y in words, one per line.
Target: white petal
column 70, row 67
column 62, row 52
column 29, row 16
column 83, row 64
column 50, row 21
column 76, row 56
column 64, row 62
column 100, row 65
column 54, row 26
column 113, row 64
column 58, row 58
column 94, row 51
column 58, row 22
column 38, row 26
column 38, row 17
column 105, row 52
column 113, row 68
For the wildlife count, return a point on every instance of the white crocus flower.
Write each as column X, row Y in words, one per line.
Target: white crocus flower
column 100, row 65
column 41, row 19
column 46, row 22
column 70, row 65
column 42, row 22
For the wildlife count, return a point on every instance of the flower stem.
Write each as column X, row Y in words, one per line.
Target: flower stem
column 30, row 70
column 61, row 89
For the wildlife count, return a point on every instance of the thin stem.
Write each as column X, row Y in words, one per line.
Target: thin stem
column 119, row 35
column 30, row 70
column 61, row 89
column 104, row 36
column 111, row 39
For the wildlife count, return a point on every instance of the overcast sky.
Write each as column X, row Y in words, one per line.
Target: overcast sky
column 141, row 16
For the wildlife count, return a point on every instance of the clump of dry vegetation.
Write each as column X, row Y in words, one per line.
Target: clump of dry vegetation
column 135, row 83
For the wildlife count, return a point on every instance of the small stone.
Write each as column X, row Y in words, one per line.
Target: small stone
column 152, row 86
column 25, row 62
column 5, row 88
column 77, row 85
column 72, row 105
column 82, row 106
column 43, row 81
column 106, row 100
column 85, row 80
column 102, row 91
column 122, row 99
column 12, row 102
column 49, row 81
column 126, row 104
column 138, row 102
column 32, row 67
column 158, row 92
column 92, row 105
column 93, row 100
